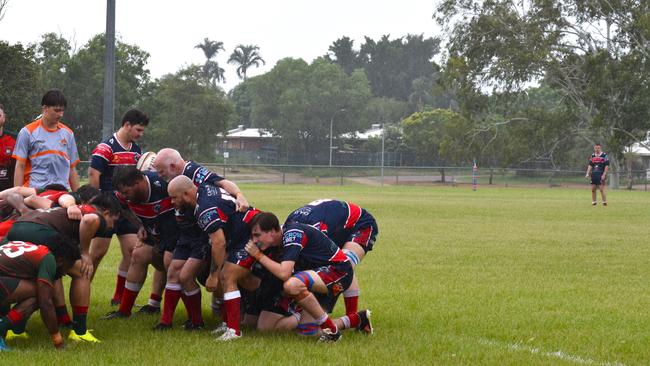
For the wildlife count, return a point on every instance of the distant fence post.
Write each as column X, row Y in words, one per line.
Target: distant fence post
column 396, row 176
column 341, row 175
column 491, row 174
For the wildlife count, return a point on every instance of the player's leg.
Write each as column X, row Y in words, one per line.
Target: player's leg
column 192, row 290
column 141, row 257
column 593, row 194
column 13, row 320
column 173, row 291
column 602, row 194
column 127, row 243
column 271, row 321
column 98, row 249
column 80, row 300
column 160, row 262
column 298, row 288
column 356, row 248
column 230, row 276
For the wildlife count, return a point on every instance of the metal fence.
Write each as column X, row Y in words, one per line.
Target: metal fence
column 391, row 176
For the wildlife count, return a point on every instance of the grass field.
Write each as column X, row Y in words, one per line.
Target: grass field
column 494, row 277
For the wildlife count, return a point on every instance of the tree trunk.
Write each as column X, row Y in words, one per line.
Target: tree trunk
column 613, row 175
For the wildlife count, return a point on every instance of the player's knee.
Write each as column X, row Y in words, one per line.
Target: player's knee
column 293, row 286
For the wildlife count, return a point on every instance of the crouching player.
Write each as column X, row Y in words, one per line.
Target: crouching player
column 27, row 275
column 350, row 227
column 310, row 263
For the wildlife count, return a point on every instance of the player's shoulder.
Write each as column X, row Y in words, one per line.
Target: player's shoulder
column 155, row 181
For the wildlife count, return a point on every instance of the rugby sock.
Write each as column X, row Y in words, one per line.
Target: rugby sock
column 326, row 323
column 172, row 295
column 351, row 299
column 131, row 290
column 119, row 286
column 62, row 315
column 351, row 320
column 8, row 321
column 79, row 314
column 194, row 305
column 231, row 302
column 154, row 300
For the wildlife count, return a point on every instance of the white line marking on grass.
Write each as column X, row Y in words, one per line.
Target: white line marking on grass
column 557, row 354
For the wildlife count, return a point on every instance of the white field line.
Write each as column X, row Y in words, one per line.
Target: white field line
column 560, row 355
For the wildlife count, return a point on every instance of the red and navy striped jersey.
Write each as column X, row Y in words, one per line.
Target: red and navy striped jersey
column 598, row 162
column 7, row 163
column 27, row 261
column 110, row 154
column 157, row 211
column 216, row 209
column 309, row 247
column 199, row 174
column 337, row 219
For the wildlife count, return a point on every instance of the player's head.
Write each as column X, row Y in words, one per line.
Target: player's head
column 597, row 148
column 54, row 105
column 108, row 206
column 87, row 192
column 265, row 230
column 131, row 184
column 169, row 163
column 182, row 192
column 134, row 123
column 65, row 250
column 3, row 116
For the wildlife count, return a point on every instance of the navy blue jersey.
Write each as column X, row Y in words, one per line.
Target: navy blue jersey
column 339, row 220
column 199, row 174
column 110, row 154
column 309, row 247
column 216, row 209
column 157, row 212
column 598, row 162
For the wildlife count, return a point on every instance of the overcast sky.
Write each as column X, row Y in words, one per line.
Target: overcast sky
column 169, row 30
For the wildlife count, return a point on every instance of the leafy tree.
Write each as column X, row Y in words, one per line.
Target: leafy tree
column 245, row 57
column 181, row 102
column 19, row 88
column 342, row 52
column 594, row 52
column 212, row 72
column 299, row 102
column 53, row 55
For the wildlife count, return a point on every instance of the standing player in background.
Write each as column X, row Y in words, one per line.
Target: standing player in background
column 46, row 150
column 119, row 150
column 597, row 169
column 7, row 162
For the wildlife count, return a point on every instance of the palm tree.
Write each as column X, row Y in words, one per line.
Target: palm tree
column 212, row 73
column 245, row 57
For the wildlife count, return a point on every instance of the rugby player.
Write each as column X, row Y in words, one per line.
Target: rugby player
column 597, row 169
column 27, row 275
column 310, row 263
column 120, row 150
column 216, row 214
column 145, row 194
column 350, row 227
column 41, row 226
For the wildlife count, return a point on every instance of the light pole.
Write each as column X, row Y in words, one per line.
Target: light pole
column 332, row 132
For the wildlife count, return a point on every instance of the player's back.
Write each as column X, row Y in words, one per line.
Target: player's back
column 21, row 259
column 335, row 218
column 309, row 247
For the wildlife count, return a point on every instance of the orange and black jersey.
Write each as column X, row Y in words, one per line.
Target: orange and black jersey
column 598, row 162
column 27, row 261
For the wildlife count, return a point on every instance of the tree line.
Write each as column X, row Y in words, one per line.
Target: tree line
column 516, row 84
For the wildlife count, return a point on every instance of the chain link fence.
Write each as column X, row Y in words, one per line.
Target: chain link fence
column 392, row 176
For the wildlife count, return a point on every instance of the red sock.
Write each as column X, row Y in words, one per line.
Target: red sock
column 232, row 302
column 14, row 316
column 328, row 324
column 119, row 287
column 128, row 299
column 351, row 304
column 169, row 306
column 354, row 320
column 194, row 307
column 62, row 315
column 154, row 300
column 187, row 304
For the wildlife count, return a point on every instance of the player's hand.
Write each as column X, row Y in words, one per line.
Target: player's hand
column 142, row 233
column 602, row 179
column 252, row 249
column 74, row 213
column 242, row 203
column 57, row 339
column 587, row 176
column 212, row 282
column 86, row 266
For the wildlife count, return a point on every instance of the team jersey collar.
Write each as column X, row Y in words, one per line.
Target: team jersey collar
column 120, row 143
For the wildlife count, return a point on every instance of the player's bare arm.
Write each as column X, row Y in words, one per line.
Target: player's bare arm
column 233, row 190
column 218, row 249
column 19, row 173
column 87, row 230
column 93, row 177
column 45, row 294
column 282, row 270
column 73, row 179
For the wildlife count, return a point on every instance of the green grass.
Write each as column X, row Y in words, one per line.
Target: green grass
column 494, row 277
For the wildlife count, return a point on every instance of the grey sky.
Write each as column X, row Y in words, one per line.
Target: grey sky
column 169, row 30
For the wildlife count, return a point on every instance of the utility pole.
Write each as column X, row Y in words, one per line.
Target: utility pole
column 108, row 115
